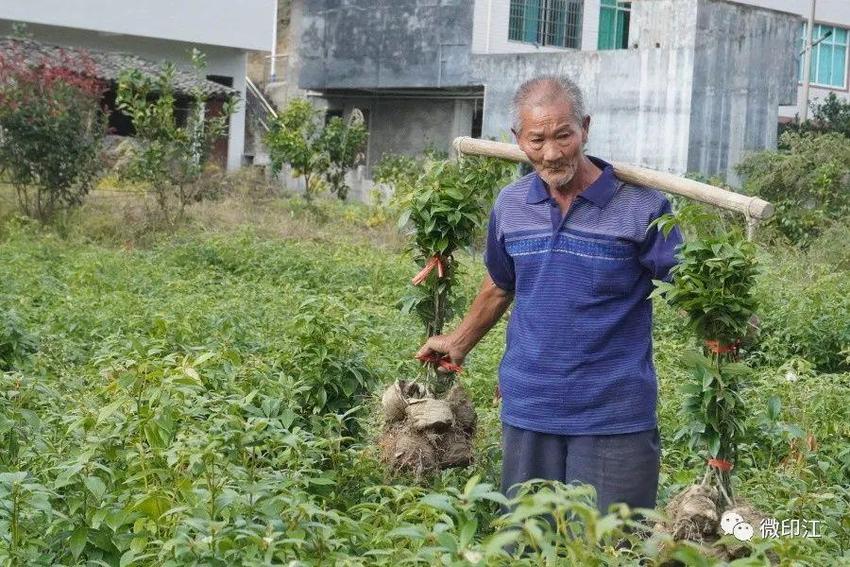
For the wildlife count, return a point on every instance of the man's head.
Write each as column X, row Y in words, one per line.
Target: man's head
column 551, row 126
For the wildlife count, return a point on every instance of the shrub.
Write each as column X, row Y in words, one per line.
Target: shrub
column 713, row 283
column 343, row 143
column 809, row 183
column 830, row 115
column 298, row 139
column 51, row 130
column 168, row 157
column 15, row 342
column 294, row 140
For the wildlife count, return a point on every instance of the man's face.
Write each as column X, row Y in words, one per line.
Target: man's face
column 552, row 140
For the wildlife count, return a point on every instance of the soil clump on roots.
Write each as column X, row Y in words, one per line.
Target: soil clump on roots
column 424, row 433
column 701, row 515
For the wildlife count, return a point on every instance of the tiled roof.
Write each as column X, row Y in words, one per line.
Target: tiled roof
column 108, row 65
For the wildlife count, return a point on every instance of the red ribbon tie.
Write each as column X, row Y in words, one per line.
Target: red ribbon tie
column 433, row 262
column 443, row 361
column 720, row 464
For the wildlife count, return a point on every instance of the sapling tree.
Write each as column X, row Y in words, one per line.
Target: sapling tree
column 315, row 152
column 342, row 141
column 295, row 139
column 447, row 206
column 169, row 156
column 51, row 129
column 428, row 425
column 712, row 284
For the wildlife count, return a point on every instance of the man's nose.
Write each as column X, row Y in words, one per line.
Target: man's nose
column 551, row 152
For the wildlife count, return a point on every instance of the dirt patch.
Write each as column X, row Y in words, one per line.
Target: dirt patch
column 423, row 433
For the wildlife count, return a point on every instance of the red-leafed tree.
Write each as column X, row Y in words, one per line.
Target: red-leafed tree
column 51, row 129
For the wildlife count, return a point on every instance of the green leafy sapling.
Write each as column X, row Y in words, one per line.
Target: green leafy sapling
column 712, row 283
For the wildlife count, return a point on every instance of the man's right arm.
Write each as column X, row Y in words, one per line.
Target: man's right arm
column 486, row 310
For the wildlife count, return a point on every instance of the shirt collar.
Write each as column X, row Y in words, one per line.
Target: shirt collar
column 599, row 192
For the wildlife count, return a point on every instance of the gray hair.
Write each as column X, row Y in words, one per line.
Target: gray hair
column 545, row 89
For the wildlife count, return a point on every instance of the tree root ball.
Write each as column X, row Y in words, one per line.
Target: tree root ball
column 455, row 449
column 406, row 450
column 430, row 413
column 393, row 403
column 694, row 513
column 464, row 414
column 423, row 434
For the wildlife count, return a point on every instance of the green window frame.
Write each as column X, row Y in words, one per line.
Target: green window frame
column 614, row 17
column 829, row 56
column 546, row 22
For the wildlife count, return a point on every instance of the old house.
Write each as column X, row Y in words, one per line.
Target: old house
column 677, row 85
column 144, row 34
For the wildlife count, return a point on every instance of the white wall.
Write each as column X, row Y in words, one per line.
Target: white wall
column 245, row 24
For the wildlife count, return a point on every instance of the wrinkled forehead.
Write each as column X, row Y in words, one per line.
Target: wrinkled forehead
column 552, row 112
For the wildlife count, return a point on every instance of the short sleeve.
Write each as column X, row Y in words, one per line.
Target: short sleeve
column 499, row 263
column 658, row 253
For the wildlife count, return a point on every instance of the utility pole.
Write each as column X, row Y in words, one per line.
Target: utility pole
column 807, row 65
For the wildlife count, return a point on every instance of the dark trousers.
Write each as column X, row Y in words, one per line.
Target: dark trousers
column 622, row 468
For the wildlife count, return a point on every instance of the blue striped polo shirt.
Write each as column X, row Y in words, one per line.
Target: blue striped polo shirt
column 578, row 359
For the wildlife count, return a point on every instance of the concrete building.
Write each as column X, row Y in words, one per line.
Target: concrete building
column 677, row 85
column 158, row 30
column 831, row 37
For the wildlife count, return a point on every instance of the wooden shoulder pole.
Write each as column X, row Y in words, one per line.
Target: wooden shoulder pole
column 753, row 208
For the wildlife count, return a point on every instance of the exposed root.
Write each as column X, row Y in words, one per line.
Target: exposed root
column 422, row 433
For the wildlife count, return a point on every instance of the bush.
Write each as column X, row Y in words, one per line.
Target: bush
column 298, row 139
column 805, row 311
column 809, row 183
column 343, row 143
column 168, row 157
column 51, row 130
column 831, row 115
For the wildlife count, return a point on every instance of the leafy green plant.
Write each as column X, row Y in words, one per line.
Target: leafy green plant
column 713, row 283
column 15, row 341
column 51, row 127
column 168, row 156
column 343, row 142
column 295, row 140
column 315, row 152
column 332, row 375
column 829, row 115
column 446, row 206
column 808, row 183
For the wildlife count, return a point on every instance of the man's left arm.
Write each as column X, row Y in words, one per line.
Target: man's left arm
column 658, row 253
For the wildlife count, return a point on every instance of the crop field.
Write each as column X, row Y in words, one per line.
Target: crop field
column 210, row 397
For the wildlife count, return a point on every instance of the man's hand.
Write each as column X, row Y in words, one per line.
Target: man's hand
column 487, row 308
column 443, row 345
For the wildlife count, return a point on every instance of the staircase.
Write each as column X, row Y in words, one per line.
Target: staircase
column 259, row 114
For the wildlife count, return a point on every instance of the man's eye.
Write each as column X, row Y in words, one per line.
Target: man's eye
column 536, row 141
column 564, row 135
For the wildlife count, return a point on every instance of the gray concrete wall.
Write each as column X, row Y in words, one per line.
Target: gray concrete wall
column 408, row 126
column 744, row 68
column 379, row 44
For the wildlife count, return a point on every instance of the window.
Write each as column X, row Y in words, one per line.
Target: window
column 614, row 24
column 829, row 56
column 546, row 22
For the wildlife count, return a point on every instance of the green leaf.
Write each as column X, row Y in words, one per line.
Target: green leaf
column 153, row 506
column 77, row 541
column 95, row 486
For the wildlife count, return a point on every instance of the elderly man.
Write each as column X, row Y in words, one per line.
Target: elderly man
column 570, row 245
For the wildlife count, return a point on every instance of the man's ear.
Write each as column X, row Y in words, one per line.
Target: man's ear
column 516, row 135
column 585, row 128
